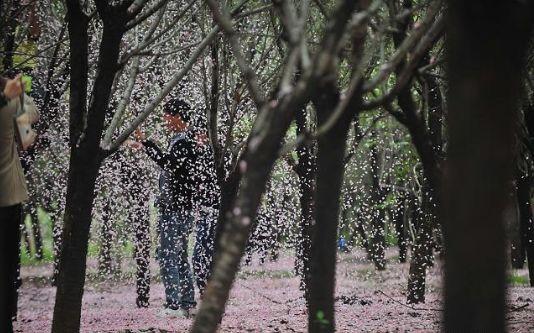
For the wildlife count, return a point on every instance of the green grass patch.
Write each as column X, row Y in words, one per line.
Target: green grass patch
column 391, row 239
column 27, row 258
column 93, row 249
column 518, row 280
column 27, row 254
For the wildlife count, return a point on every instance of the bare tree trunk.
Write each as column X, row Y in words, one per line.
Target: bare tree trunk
column 513, row 224
column 36, row 232
column 400, row 229
column 306, row 171
column 77, row 221
column 257, row 164
column 484, row 84
column 330, row 170
column 86, row 127
column 432, row 168
column 377, row 244
column 262, row 150
column 427, row 143
column 422, row 256
column 361, row 232
column 229, row 190
column 25, row 235
column 526, row 221
column 106, row 239
column 141, row 221
column 56, row 243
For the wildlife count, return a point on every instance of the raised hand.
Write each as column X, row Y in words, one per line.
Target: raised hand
column 133, row 144
column 139, row 135
column 13, row 88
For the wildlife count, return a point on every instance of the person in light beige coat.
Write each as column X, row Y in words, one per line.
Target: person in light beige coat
column 13, row 192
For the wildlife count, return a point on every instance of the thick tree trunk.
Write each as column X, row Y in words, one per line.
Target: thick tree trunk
column 86, row 127
column 400, row 229
column 77, row 221
column 513, row 230
column 106, row 239
column 261, row 152
column 422, row 256
column 229, row 190
column 526, row 222
column 56, row 241
column 330, row 170
column 141, row 223
column 330, row 167
column 377, row 240
column 36, row 232
column 360, row 230
column 256, row 164
column 485, row 64
column 306, row 171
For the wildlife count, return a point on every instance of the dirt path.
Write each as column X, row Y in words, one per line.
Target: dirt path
column 266, row 299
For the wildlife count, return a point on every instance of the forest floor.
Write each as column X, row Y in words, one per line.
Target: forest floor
column 266, row 298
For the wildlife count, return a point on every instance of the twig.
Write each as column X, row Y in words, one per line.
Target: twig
column 354, row 85
column 225, row 22
column 144, row 16
column 165, row 91
column 408, row 306
column 518, row 308
column 425, row 43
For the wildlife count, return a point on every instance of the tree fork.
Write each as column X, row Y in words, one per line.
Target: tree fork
column 86, row 128
column 330, row 170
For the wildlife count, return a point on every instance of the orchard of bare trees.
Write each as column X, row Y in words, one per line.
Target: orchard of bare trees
column 267, row 166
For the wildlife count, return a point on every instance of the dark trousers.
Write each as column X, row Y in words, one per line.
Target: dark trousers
column 204, row 246
column 176, row 274
column 10, row 220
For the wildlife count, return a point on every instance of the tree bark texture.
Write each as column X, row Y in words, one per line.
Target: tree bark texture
column 377, row 239
column 261, row 152
column 486, row 46
column 400, row 228
column 427, row 143
column 330, row 170
column 86, row 127
column 422, row 256
column 106, row 239
column 36, row 232
column 256, row 167
column 526, row 222
column 306, row 171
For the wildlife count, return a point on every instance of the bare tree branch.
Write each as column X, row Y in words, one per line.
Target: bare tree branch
column 164, row 92
column 147, row 14
column 125, row 100
column 404, row 48
column 425, row 43
column 225, row 22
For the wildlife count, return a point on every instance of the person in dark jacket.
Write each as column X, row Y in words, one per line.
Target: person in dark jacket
column 176, row 185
